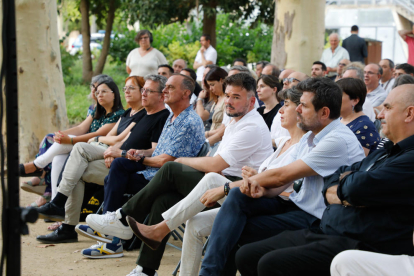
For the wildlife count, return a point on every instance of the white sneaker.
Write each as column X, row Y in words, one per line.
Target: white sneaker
column 138, row 272
column 110, row 224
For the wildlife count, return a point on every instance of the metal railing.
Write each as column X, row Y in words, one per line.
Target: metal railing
column 407, row 5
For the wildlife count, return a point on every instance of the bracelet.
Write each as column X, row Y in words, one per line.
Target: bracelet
column 226, row 188
column 199, row 99
column 71, row 140
column 97, row 138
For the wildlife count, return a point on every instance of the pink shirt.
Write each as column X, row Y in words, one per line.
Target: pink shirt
column 410, row 43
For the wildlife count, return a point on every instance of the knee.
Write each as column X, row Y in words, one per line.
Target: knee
column 342, row 261
column 236, row 197
column 192, row 226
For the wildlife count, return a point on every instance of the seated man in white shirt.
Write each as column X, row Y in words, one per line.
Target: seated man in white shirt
column 206, row 55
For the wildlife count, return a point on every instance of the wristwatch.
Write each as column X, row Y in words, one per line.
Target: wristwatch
column 142, row 159
column 226, row 188
column 124, row 153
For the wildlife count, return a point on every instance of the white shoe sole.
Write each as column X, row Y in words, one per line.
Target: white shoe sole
column 93, row 237
column 119, row 233
column 117, row 255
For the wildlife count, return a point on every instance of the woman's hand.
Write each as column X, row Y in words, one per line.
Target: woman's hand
column 91, row 140
column 61, row 138
column 202, row 94
column 108, row 161
column 210, row 197
column 248, row 172
column 252, row 189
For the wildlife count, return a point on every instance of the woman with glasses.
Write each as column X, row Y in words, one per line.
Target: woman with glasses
column 105, row 115
column 145, row 59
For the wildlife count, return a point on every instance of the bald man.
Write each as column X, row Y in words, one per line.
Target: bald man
column 333, row 55
column 271, row 69
column 378, row 195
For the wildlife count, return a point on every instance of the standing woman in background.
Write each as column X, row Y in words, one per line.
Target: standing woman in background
column 145, row 59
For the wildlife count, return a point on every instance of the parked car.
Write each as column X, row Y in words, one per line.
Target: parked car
column 95, row 43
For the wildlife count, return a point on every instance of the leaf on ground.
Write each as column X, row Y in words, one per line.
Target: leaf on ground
column 44, row 246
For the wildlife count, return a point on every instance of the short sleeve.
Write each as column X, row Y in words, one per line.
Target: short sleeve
column 367, row 135
column 129, row 57
column 346, row 54
column 159, row 126
column 212, row 56
column 327, row 156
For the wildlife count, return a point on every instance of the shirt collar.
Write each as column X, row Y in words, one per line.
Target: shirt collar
column 180, row 117
column 315, row 139
column 405, row 144
column 245, row 117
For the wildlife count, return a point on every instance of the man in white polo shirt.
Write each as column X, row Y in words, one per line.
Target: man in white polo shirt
column 206, row 55
column 331, row 56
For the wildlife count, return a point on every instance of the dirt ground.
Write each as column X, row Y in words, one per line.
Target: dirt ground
column 66, row 259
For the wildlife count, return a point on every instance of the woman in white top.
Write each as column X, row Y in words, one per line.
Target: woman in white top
column 145, row 59
column 210, row 191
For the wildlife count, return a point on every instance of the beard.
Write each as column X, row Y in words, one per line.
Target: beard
column 306, row 126
column 237, row 114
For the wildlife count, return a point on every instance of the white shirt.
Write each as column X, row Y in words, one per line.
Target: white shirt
column 275, row 161
column 246, row 142
column 334, row 146
column 144, row 65
column 209, row 54
column 387, row 86
column 332, row 59
column 368, row 109
column 276, row 130
column 377, row 96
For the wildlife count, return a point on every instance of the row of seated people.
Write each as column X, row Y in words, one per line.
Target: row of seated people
column 246, row 144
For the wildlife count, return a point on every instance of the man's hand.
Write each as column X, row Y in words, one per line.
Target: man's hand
column 248, row 172
column 251, row 188
column 134, row 155
column 112, row 152
column 343, row 175
column 91, row 140
column 202, row 49
column 210, row 197
column 332, row 196
column 178, row 160
column 108, row 161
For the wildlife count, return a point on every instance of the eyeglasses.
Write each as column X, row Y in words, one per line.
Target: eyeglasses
column 370, row 73
column 148, row 91
column 130, row 88
column 92, row 86
column 341, row 64
column 289, row 80
column 104, row 92
column 143, row 38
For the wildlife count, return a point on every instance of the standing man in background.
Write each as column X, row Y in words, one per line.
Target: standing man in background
column 206, row 55
column 355, row 46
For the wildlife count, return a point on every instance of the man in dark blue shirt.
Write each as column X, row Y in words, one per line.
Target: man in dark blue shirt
column 355, row 46
column 370, row 206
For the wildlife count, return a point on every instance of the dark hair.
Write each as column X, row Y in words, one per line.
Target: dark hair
column 207, row 37
column 263, row 63
column 166, row 66
column 215, row 74
column 187, row 83
column 354, row 28
column 292, row 94
column 390, row 63
column 322, row 64
column 408, row 68
column 241, row 60
column 193, row 74
column 141, row 33
column 272, row 82
column 275, row 70
column 243, row 80
column 117, row 105
column 355, row 89
column 161, row 80
column 327, row 93
column 403, row 79
column 211, row 66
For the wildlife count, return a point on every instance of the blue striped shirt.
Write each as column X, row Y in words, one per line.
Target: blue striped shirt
column 334, row 146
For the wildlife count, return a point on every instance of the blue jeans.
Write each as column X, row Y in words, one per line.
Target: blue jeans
column 242, row 220
column 121, row 179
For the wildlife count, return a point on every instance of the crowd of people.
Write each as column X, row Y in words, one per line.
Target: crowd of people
column 306, row 172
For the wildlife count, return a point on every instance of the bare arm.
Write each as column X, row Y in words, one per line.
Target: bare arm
column 112, row 139
column 128, row 70
column 205, row 164
column 404, row 33
column 80, row 129
column 158, row 161
column 217, row 136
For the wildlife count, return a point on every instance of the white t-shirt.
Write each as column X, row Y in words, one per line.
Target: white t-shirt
column 246, row 142
column 209, row 54
column 276, row 130
column 148, row 64
column 275, row 161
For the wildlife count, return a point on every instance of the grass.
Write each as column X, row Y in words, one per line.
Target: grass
column 76, row 91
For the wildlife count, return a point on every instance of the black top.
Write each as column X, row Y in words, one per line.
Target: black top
column 126, row 120
column 356, row 47
column 197, row 89
column 268, row 117
column 146, row 131
column 383, row 184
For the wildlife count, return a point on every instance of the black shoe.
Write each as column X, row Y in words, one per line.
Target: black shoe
column 52, row 212
column 22, row 172
column 59, row 236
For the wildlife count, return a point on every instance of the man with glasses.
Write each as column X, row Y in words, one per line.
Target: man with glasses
column 206, row 55
column 340, row 68
column 375, row 93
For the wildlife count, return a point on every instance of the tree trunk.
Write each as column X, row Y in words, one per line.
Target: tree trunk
column 86, row 39
column 41, row 91
column 209, row 21
column 107, row 39
column 298, row 34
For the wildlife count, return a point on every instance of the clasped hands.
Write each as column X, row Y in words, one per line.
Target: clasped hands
column 61, row 138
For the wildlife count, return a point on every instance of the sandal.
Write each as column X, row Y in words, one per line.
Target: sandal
column 54, row 226
column 39, row 189
column 38, row 202
column 37, row 172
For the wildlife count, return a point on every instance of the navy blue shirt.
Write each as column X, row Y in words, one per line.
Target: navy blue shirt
column 364, row 129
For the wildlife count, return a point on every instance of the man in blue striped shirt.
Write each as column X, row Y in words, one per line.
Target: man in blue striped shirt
column 248, row 215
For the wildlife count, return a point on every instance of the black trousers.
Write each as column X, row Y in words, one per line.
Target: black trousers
column 300, row 252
